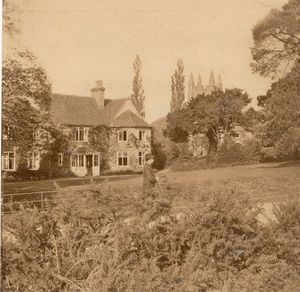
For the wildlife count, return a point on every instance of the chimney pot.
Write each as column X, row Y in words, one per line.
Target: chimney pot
column 98, row 93
column 99, row 83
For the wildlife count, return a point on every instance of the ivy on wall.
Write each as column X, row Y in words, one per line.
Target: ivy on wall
column 99, row 138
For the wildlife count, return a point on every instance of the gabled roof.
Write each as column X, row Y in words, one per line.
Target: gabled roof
column 82, row 110
column 112, row 107
column 83, row 149
column 128, row 119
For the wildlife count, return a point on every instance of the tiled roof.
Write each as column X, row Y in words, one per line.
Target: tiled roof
column 112, row 107
column 76, row 110
column 128, row 119
column 82, row 110
column 83, row 149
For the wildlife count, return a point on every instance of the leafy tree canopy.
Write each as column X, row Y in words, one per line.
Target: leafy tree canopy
column 26, row 99
column 281, row 116
column 213, row 115
column 277, row 40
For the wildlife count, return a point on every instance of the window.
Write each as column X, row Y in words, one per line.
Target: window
column 60, row 159
column 122, row 158
column 122, row 135
column 80, row 160
column 9, row 161
column 7, row 133
column 141, row 158
column 96, row 160
column 34, row 134
column 142, row 135
column 81, row 134
column 33, row 160
column 74, row 160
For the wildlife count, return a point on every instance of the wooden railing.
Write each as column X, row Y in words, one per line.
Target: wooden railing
column 15, row 202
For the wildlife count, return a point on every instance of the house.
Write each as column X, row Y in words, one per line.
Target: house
column 77, row 116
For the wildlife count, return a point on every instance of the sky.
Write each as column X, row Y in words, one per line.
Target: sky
column 81, row 41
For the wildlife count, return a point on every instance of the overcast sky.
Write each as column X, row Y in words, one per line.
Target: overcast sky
column 81, row 41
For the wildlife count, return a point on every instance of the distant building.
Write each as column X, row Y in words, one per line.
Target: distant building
column 196, row 89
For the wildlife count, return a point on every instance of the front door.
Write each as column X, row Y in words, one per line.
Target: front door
column 89, row 164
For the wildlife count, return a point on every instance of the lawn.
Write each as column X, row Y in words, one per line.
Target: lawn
column 48, row 185
column 266, row 182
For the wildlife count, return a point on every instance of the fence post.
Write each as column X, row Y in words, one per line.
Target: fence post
column 11, row 203
column 42, row 200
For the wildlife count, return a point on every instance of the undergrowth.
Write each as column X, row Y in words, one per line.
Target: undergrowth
column 94, row 240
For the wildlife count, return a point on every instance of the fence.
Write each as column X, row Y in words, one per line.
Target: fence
column 17, row 201
column 14, row 202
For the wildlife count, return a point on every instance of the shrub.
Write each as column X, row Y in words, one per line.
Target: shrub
column 231, row 152
column 100, row 241
column 160, row 157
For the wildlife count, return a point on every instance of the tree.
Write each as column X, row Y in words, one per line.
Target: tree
column 214, row 115
column 277, row 40
column 26, row 100
column 9, row 19
column 138, row 97
column 280, row 125
column 177, row 87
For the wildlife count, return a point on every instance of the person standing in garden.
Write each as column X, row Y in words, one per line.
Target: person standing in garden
column 149, row 178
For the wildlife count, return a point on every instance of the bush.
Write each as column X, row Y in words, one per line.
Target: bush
column 186, row 164
column 101, row 241
column 160, row 157
column 231, row 152
column 121, row 172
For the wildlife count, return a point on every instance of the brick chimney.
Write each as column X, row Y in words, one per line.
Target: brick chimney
column 98, row 93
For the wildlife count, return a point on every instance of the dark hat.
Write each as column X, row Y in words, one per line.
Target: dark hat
column 148, row 156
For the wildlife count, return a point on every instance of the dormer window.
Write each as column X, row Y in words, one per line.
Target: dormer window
column 81, row 134
column 122, row 135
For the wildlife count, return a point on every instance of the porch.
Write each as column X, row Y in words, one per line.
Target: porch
column 85, row 161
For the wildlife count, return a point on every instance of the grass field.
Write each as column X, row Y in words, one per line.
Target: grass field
column 48, row 185
column 264, row 182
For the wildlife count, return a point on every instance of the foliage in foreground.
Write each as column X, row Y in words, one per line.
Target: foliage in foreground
column 85, row 242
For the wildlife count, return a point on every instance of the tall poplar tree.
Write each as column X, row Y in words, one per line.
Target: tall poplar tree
column 177, row 87
column 138, row 97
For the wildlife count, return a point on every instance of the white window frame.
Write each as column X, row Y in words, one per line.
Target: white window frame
column 96, row 160
column 141, row 156
column 80, row 160
column 121, row 135
column 33, row 160
column 74, row 160
column 81, row 134
column 77, row 160
column 6, row 160
column 60, row 159
column 142, row 135
column 123, row 155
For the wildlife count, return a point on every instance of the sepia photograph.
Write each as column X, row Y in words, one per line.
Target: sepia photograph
column 150, row 145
